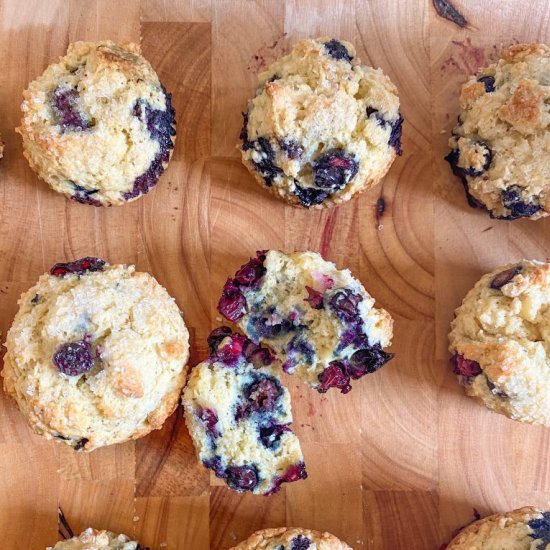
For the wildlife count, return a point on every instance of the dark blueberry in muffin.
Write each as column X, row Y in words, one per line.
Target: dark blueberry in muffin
column 334, row 376
column 241, row 478
column 298, row 350
column 512, row 199
column 465, row 367
column 334, row 169
column 66, row 112
column 80, row 444
column 262, row 395
column 266, row 166
column 74, row 358
column 541, row 529
column 250, row 273
column 454, row 156
column 337, row 50
column 35, row 299
column 216, row 336
column 244, row 133
column 395, row 136
column 344, row 303
column 160, row 125
column 270, row 436
column 314, row 298
column 300, row 543
column 505, row 277
column 232, row 351
column 78, row 267
column 367, row 360
column 210, row 420
column 85, row 196
column 488, row 81
column 292, row 149
column 267, row 324
column 494, row 389
column 309, row 196
column 232, row 304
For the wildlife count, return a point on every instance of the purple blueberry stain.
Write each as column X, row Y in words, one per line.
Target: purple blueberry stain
column 337, row 50
column 78, row 267
column 74, row 358
column 67, row 114
column 504, row 277
column 334, row 169
column 160, row 125
column 242, row 478
column 215, row 464
column 293, row 473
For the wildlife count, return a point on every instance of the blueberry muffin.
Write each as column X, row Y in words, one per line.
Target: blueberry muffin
column 98, row 126
column 322, row 127
column 524, row 529
column 318, row 319
column 238, row 414
column 499, row 341
column 97, row 354
column 500, row 147
column 289, row 538
column 91, row 539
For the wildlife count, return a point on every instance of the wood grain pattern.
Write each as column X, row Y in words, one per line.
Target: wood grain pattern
column 405, row 458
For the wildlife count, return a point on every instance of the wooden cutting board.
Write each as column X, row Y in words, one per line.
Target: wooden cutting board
column 402, row 460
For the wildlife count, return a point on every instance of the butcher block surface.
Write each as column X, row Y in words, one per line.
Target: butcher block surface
column 405, row 458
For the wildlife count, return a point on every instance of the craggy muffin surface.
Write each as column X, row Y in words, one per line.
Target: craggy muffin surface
column 500, row 338
column 239, row 416
column 97, row 354
column 322, row 127
column 501, row 144
column 98, row 126
column 91, row 539
column 524, row 529
column 291, row 538
column 320, row 320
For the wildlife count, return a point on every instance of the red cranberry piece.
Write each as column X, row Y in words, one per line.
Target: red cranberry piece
column 216, row 337
column 315, row 298
column 334, row 169
column 334, row 376
column 74, row 358
column 210, row 420
column 78, row 267
column 232, row 304
column 344, row 302
column 250, row 273
column 465, row 367
column 242, row 478
column 263, row 395
column 337, row 50
column 505, row 277
column 300, row 543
